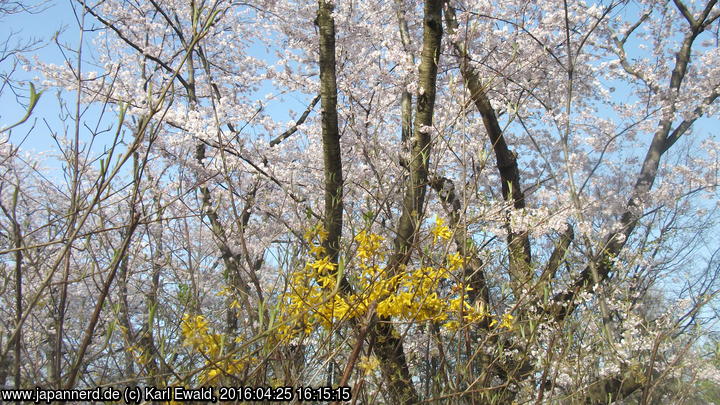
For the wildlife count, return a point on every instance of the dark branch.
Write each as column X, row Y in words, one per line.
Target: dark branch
column 299, row 122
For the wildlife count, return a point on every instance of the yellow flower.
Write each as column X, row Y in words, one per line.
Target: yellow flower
column 452, row 325
column 235, row 304
column 363, row 253
column 368, row 364
column 390, row 306
column 309, row 235
column 326, row 281
column 197, row 335
column 194, row 329
column 322, row 234
column 212, row 373
column 340, row 307
column 323, row 264
column 507, row 321
column 361, row 237
column 440, row 230
column 455, row 261
column 318, row 231
column 317, row 250
column 369, row 244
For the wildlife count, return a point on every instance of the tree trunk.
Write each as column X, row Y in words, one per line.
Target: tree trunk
column 388, row 343
column 332, row 160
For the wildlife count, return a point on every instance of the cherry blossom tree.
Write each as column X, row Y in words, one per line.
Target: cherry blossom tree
column 448, row 200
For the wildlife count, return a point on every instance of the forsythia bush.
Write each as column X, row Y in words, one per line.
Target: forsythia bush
column 430, row 293
column 314, row 298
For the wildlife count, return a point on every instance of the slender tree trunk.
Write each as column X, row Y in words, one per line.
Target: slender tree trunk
column 405, row 96
column 73, row 213
column 388, row 343
column 4, row 368
column 17, row 236
column 146, row 338
column 414, row 197
column 332, row 159
column 231, row 260
column 127, row 329
column 78, row 366
column 16, row 343
column 89, row 332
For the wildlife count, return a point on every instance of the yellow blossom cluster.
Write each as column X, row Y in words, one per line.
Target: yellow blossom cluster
column 369, row 245
column 368, row 364
column 429, row 293
column 139, row 354
column 312, row 299
column 440, row 230
column 506, row 322
column 415, row 297
column 197, row 335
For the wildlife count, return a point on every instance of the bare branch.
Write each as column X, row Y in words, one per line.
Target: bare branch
column 297, row 124
column 685, row 12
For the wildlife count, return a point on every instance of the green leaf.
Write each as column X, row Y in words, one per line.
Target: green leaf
column 261, row 311
column 151, row 313
column 34, row 98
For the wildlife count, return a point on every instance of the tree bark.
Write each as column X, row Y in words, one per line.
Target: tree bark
column 332, row 159
column 415, row 191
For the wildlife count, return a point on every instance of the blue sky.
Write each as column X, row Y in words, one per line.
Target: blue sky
column 42, row 26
